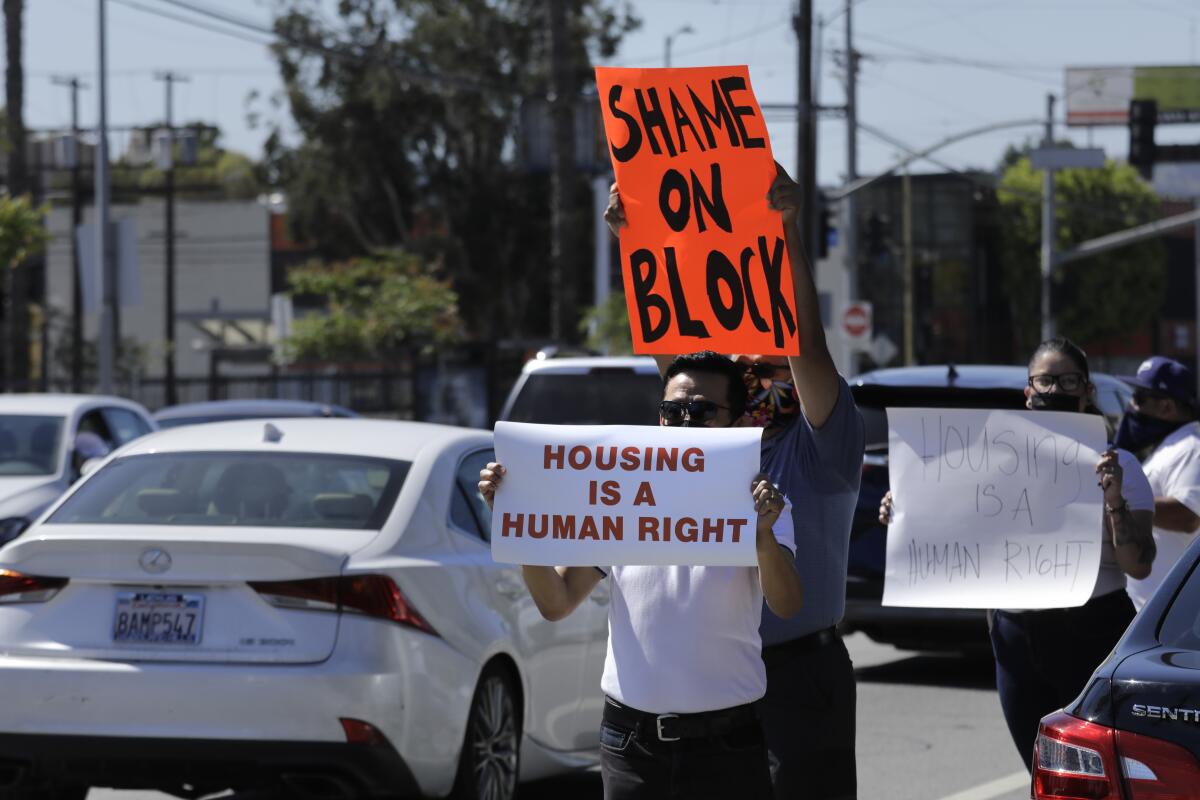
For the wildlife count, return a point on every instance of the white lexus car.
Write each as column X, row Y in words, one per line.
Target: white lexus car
column 306, row 608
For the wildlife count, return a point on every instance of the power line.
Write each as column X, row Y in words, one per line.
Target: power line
column 347, row 52
column 712, row 45
column 189, row 21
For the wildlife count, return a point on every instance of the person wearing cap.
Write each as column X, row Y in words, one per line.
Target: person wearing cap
column 1160, row 428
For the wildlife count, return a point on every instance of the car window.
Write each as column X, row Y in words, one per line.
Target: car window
column 29, row 444
column 600, row 397
column 468, row 509
column 124, row 424
column 93, row 422
column 305, row 490
column 1181, row 625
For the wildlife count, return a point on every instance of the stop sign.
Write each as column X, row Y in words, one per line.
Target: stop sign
column 856, row 321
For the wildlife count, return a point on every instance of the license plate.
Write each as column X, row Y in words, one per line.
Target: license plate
column 158, row 618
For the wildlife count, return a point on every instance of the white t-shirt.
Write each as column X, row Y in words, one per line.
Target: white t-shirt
column 685, row 639
column 1174, row 471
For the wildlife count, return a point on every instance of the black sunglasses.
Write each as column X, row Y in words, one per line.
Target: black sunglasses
column 763, row 369
column 696, row 412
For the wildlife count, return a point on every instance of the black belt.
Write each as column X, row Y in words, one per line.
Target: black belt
column 807, row 643
column 673, row 727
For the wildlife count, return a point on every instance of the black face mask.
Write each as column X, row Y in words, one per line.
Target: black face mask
column 1139, row 431
column 1054, row 401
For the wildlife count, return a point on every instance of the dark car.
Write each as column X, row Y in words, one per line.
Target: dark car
column 226, row 410
column 944, row 386
column 1134, row 732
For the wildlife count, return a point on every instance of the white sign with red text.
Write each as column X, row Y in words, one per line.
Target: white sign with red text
column 614, row 495
column 993, row 509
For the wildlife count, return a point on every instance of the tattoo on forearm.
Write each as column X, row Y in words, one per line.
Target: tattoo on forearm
column 1127, row 532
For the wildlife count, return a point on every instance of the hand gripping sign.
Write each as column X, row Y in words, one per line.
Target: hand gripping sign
column 703, row 259
column 993, row 509
column 608, row 495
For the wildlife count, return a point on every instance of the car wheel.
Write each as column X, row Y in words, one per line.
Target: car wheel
column 488, row 766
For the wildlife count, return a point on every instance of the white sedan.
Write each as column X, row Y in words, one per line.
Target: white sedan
column 302, row 607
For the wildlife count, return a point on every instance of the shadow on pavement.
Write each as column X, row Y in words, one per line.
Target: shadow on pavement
column 959, row 672
column 577, row 786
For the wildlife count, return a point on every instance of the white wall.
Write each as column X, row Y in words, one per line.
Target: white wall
column 222, row 254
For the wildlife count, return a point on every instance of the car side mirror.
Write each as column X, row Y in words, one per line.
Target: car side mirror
column 89, row 466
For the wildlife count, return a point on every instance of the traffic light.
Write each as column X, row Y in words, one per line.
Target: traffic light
column 877, row 234
column 1143, row 115
column 826, row 229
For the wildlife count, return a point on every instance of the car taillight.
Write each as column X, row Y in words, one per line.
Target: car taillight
column 1157, row 770
column 1074, row 760
column 359, row 732
column 16, row 587
column 373, row 595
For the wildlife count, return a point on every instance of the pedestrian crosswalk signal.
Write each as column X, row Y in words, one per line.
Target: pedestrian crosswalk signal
column 1143, row 115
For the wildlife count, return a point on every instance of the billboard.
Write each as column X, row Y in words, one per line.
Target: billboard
column 1101, row 95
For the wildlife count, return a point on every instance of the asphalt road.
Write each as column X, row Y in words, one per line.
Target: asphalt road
column 929, row 728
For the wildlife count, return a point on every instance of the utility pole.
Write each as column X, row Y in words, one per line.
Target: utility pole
column 74, row 85
column 562, row 218
column 850, row 224
column 167, row 164
column 909, row 307
column 16, row 283
column 106, row 282
column 1048, row 226
column 806, row 166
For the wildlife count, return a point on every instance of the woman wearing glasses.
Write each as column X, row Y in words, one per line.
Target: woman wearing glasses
column 1044, row 658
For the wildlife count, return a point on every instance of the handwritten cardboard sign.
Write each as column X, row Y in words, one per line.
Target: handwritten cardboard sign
column 703, row 259
column 993, row 509
column 605, row 495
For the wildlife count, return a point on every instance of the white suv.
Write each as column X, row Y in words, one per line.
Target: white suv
column 618, row 390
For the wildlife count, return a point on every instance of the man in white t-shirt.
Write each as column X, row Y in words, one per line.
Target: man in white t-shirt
column 684, row 664
column 1161, row 429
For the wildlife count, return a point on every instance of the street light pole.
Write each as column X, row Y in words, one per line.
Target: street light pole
column 1048, row 226
column 671, row 38
column 167, row 162
column 106, row 278
column 74, row 85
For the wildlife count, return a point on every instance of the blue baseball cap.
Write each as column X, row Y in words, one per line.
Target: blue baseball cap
column 1165, row 376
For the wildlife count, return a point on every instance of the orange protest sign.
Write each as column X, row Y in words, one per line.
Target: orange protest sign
column 703, row 259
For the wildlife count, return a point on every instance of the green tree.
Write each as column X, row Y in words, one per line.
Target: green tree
column 377, row 307
column 606, row 327
column 226, row 172
column 1095, row 299
column 21, row 236
column 409, row 118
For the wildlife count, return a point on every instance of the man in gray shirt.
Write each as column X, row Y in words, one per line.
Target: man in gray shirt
column 813, row 449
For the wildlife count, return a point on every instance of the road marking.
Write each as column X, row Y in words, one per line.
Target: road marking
column 986, row 791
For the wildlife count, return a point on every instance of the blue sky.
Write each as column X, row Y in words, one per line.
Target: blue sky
column 932, row 67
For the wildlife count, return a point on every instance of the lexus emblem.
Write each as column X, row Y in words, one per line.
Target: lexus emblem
column 155, row 560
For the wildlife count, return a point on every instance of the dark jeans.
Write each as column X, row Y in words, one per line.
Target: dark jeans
column 635, row 765
column 808, row 716
column 1044, row 658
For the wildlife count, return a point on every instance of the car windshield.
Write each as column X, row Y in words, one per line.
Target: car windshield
column 286, row 490
column 598, row 397
column 29, row 444
column 874, row 399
